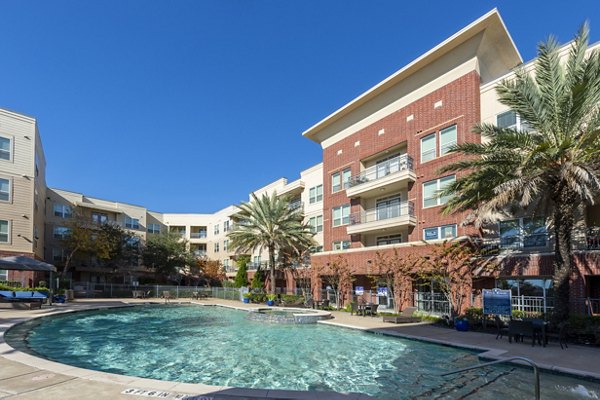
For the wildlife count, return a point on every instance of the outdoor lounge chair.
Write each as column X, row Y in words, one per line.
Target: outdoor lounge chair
column 167, row 296
column 501, row 327
column 405, row 317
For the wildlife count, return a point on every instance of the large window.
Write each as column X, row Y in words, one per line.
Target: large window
column 340, row 180
column 226, row 226
column 388, row 207
column 99, row 218
column 523, row 232
column 447, row 139
column 341, row 215
column 5, row 148
column 534, row 286
column 511, row 119
column 392, row 239
column 225, row 244
column 429, row 143
column 216, row 229
column 4, row 189
column 132, row 223
column 4, row 231
column 62, row 211
column 340, row 245
column 315, row 194
column 316, row 223
column 61, row 232
column 316, row 249
column 432, row 189
column 153, row 228
column 3, row 275
column 216, row 247
column 440, row 232
column 58, row 254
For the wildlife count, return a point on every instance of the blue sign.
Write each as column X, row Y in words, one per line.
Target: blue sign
column 382, row 291
column 359, row 290
column 497, row 302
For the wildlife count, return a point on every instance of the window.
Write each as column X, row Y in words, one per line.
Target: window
column 432, row 189
column 216, row 231
column 341, row 245
column 388, row 207
column 153, row 228
column 315, row 194
column 523, row 232
column 440, row 232
column 428, row 145
column 5, row 148
column 225, row 261
column 61, row 232
column 316, row 249
column 4, row 231
column 3, row 275
column 225, row 244
column 58, row 255
column 132, row 223
column 226, row 226
column 340, row 180
column 341, row 215
column 4, row 189
column 62, row 211
column 511, row 119
column 216, row 247
column 99, row 218
column 392, row 239
column 257, row 261
column 447, row 139
column 316, row 223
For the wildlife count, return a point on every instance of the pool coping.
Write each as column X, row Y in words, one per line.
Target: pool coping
column 8, row 352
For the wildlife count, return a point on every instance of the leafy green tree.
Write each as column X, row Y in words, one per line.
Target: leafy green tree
column 555, row 167
column 167, row 254
column 269, row 222
column 258, row 280
column 241, row 278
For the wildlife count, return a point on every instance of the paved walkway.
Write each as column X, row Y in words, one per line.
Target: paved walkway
column 23, row 376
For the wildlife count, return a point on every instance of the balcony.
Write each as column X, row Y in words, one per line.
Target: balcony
column 393, row 174
column 383, row 219
column 199, row 253
column 198, row 235
column 295, row 205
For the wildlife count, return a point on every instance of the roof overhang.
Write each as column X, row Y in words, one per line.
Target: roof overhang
column 496, row 47
column 99, row 207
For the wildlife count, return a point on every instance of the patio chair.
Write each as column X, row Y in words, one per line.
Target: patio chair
column 147, row 294
column 519, row 329
column 563, row 330
column 167, row 296
column 195, row 295
column 501, row 327
column 354, row 308
column 372, row 311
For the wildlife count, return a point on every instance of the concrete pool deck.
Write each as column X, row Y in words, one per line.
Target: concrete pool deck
column 23, row 376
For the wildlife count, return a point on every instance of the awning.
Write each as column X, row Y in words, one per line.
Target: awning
column 22, row 263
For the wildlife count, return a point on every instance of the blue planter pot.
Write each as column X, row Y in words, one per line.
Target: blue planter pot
column 246, row 300
column 270, row 303
column 461, row 325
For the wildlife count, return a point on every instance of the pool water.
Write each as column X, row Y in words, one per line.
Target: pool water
column 219, row 346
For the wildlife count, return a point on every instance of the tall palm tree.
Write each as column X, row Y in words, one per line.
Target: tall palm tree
column 552, row 169
column 269, row 222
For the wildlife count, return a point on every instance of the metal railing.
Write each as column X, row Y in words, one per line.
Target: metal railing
column 383, row 213
column 397, row 164
column 592, row 238
column 536, row 370
column 198, row 235
column 296, row 205
column 431, row 303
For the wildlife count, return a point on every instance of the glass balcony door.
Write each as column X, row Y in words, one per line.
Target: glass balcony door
column 388, row 208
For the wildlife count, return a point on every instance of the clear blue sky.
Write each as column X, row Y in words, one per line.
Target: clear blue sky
column 187, row 106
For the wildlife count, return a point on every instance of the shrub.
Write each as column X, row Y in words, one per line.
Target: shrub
column 474, row 313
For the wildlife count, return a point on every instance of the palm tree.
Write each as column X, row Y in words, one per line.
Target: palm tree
column 269, row 222
column 551, row 169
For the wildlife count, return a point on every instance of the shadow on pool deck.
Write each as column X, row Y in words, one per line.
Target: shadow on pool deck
column 26, row 377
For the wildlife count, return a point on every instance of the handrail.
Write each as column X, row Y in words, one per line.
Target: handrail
column 536, row 370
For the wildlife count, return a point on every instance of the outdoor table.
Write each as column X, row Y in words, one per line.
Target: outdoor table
column 363, row 308
column 539, row 329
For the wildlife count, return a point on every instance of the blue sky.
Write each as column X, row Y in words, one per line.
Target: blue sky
column 187, row 106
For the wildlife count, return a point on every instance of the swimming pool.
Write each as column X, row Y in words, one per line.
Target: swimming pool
column 218, row 346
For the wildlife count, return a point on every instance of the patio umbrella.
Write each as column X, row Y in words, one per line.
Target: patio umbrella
column 22, row 263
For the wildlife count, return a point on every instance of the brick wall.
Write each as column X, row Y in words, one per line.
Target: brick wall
column 460, row 106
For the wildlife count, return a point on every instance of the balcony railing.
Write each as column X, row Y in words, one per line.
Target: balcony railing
column 383, row 213
column 592, row 238
column 198, row 235
column 401, row 163
column 199, row 253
